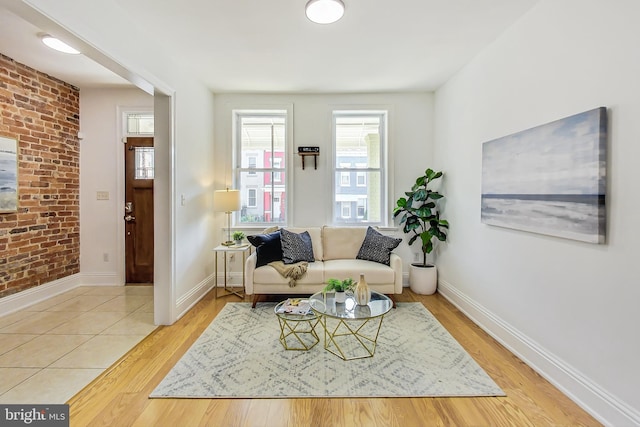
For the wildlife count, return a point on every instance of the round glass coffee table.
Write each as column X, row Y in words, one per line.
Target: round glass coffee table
column 350, row 330
column 297, row 331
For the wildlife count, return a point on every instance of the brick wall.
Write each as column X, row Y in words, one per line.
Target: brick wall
column 41, row 242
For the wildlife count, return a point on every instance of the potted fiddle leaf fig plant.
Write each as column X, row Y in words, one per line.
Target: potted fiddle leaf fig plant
column 420, row 217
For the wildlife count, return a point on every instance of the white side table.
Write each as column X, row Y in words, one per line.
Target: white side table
column 244, row 249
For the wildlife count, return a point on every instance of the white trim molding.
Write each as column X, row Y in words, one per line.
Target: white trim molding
column 28, row 297
column 195, row 294
column 601, row 404
column 100, row 279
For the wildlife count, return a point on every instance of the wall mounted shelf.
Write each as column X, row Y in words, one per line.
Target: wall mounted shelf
column 305, row 155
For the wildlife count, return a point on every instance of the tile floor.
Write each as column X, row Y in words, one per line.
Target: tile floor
column 51, row 350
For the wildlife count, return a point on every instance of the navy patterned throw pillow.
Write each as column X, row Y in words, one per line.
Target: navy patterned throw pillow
column 268, row 247
column 296, row 247
column 377, row 247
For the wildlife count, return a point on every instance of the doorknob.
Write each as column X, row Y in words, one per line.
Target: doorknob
column 129, row 218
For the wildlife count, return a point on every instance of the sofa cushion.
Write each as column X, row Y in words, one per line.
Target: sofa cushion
column 342, row 242
column 377, row 247
column 374, row 273
column 268, row 247
column 296, row 247
column 269, row 276
column 316, row 238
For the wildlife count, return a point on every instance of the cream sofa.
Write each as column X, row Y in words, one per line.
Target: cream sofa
column 335, row 250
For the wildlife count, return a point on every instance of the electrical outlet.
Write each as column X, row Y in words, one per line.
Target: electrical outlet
column 105, row 257
column 416, row 257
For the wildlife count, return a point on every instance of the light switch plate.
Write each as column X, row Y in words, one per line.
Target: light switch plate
column 102, row 195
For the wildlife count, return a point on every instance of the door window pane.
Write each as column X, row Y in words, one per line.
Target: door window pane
column 143, row 163
column 140, row 124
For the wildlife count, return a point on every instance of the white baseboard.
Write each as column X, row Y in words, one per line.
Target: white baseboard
column 15, row 302
column 601, row 404
column 184, row 303
column 100, row 279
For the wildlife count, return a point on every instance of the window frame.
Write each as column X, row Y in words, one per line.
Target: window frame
column 383, row 170
column 281, row 186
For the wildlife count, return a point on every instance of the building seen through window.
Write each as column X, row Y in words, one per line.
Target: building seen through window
column 261, row 145
column 360, row 163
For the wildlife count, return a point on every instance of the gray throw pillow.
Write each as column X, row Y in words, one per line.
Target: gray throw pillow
column 296, row 247
column 377, row 247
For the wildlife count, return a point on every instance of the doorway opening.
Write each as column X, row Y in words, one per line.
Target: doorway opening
column 139, row 174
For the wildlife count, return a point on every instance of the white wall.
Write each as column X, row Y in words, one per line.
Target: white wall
column 568, row 308
column 184, row 151
column 100, row 150
column 410, row 134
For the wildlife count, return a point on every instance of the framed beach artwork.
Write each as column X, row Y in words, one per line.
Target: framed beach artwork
column 8, row 174
column 550, row 179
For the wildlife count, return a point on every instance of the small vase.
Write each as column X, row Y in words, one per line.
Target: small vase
column 362, row 293
column 341, row 297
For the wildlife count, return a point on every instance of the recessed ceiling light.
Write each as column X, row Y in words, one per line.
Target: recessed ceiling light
column 324, row 11
column 57, row 44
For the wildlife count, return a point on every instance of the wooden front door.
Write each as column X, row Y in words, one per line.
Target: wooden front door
column 138, row 217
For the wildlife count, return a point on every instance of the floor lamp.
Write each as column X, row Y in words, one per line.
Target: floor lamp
column 227, row 201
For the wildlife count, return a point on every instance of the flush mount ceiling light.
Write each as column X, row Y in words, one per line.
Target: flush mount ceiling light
column 57, row 44
column 324, row 11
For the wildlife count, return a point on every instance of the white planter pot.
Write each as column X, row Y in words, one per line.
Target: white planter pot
column 423, row 280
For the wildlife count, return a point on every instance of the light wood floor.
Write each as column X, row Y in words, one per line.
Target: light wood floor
column 119, row 397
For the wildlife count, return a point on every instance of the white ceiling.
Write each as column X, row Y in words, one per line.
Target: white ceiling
column 19, row 40
column 270, row 46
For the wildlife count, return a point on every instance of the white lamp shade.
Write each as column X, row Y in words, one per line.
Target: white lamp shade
column 226, row 200
column 324, row 11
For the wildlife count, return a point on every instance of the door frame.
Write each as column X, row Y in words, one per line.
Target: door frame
column 120, row 185
column 164, row 291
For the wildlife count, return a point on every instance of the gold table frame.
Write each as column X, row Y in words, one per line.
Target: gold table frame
column 291, row 326
column 359, row 324
column 228, row 290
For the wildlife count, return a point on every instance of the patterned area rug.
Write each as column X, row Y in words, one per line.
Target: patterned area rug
column 239, row 355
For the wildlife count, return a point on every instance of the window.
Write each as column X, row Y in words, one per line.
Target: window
column 277, row 175
column 361, row 208
column 143, row 160
column 345, row 177
column 260, row 140
column 359, row 151
column 251, row 197
column 361, row 177
column 346, row 209
column 136, row 124
column 139, row 124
